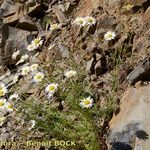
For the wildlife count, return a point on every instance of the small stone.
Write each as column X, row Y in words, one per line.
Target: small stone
column 64, row 51
column 142, row 72
column 90, row 66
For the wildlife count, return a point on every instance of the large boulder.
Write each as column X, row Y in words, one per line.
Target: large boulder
column 130, row 129
column 13, row 39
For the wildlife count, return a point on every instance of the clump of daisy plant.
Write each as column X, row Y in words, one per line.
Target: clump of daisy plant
column 38, row 77
column 3, row 89
column 86, row 102
column 70, row 74
column 110, row 35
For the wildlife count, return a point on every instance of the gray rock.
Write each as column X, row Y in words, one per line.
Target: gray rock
column 107, row 23
column 8, row 7
column 90, row 66
column 142, row 72
column 60, row 15
column 25, row 23
column 14, row 15
column 64, row 51
column 130, row 128
column 12, row 39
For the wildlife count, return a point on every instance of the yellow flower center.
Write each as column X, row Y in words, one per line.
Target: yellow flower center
column 34, row 67
column 37, row 41
column 1, row 88
column 109, row 35
column 1, row 104
column 38, row 77
column 9, row 106
column 86, row 102
column 129, row 6
column 1, row 119
column 81, row 21
column 51, row 88
column 71, row 74
column 1, row 93
column 90, row 20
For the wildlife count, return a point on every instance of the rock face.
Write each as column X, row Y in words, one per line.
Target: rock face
column 141, row 72
column 130, row 128
column 12, row 39
column 17, row 14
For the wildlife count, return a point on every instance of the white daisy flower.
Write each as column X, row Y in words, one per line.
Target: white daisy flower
column 38, row 77
column 51, row 88
column 9, row 107
column 33, row 67
column 70, row 73
column 25, row 70
column 37, row 42
column 2, row 104
column 55, row 26
column 3, row 89
column 109, row 35
column 22, row 59
column 2, row 120
column 86, row 102
column 80, row 21
column 15, row 54
column 32, row 47
column 16, row 78
column 13, row 96
column 90, row 20
column 128, row 7
column 32, row 124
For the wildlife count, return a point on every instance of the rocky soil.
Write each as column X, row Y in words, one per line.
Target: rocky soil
column 121, row 66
